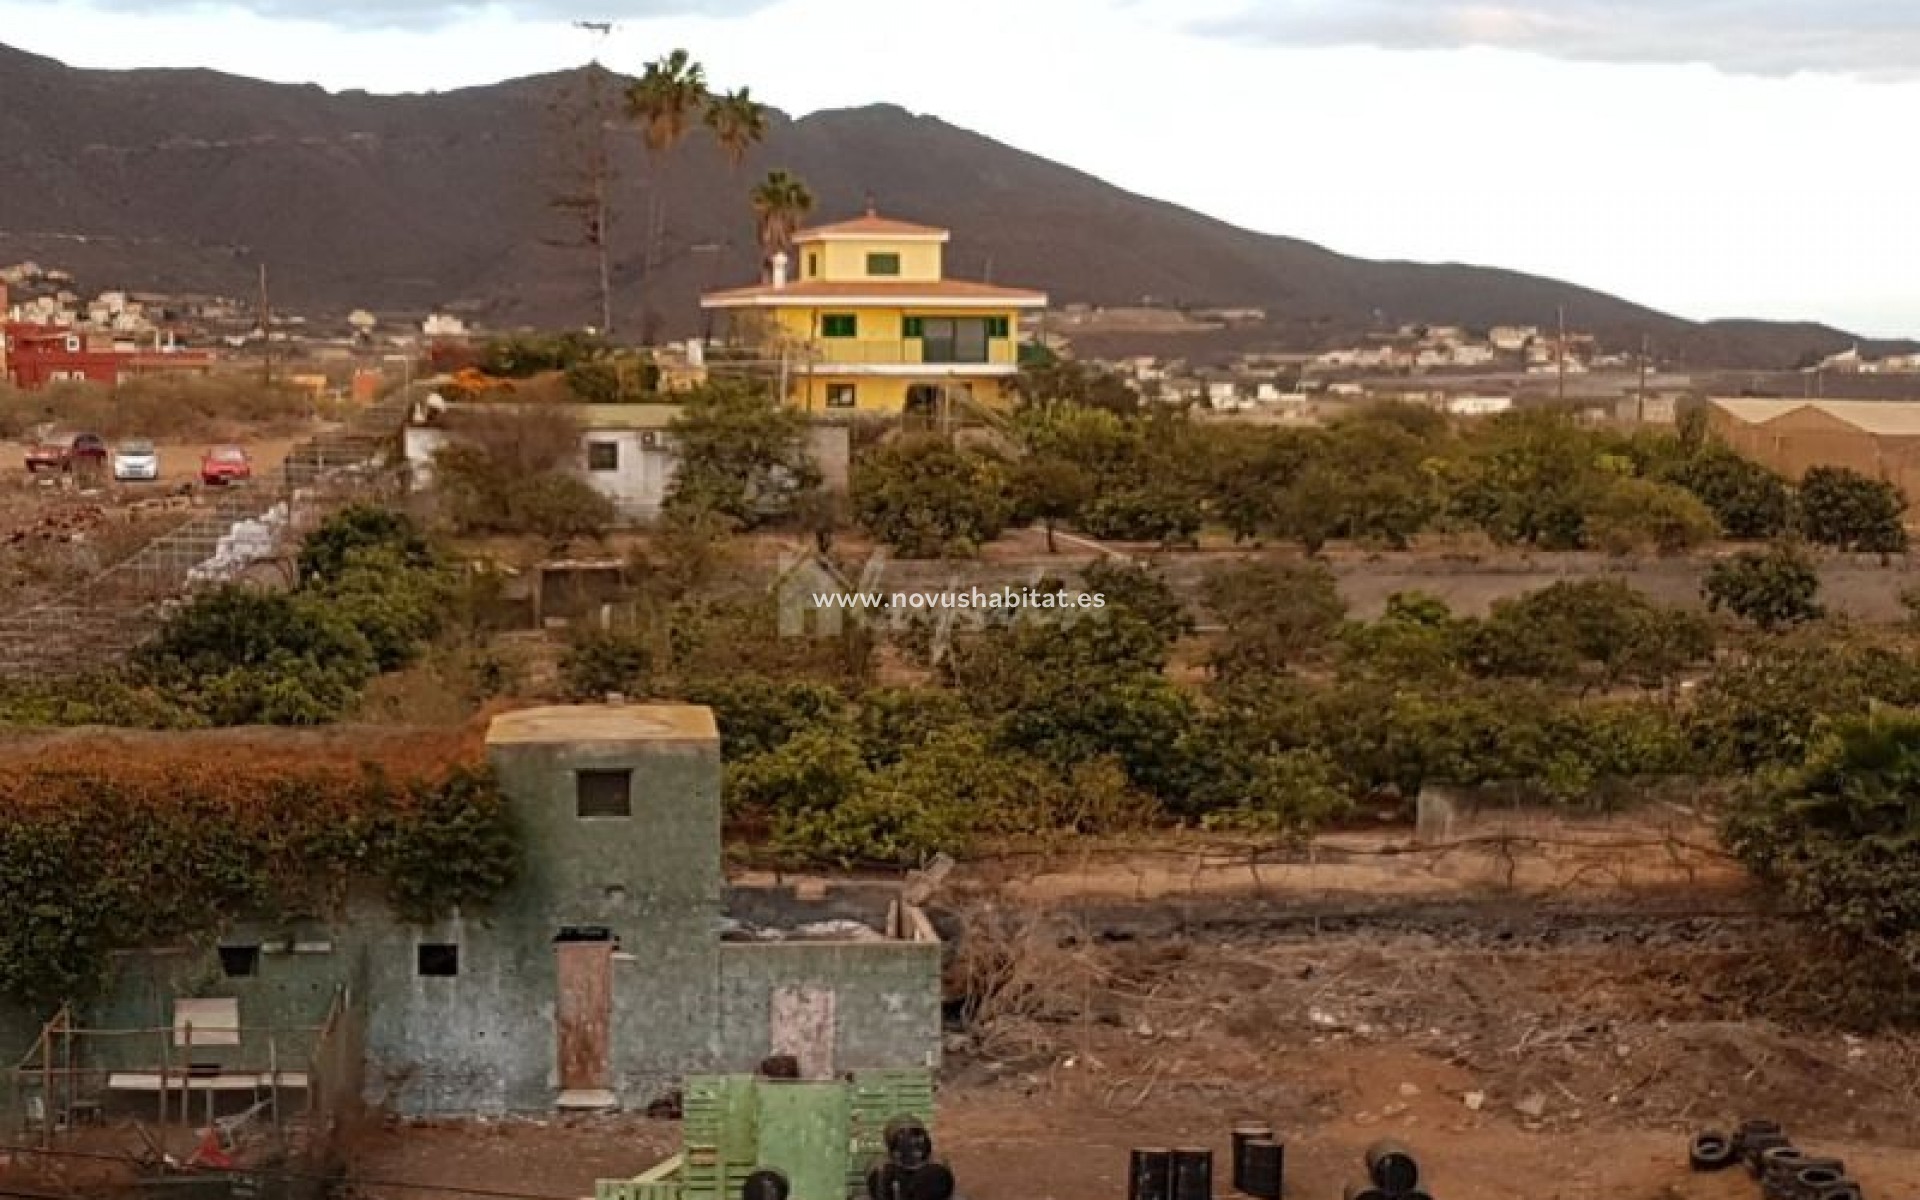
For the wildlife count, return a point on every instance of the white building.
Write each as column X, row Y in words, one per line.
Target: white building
column 1478, row 406
column 443, row 325
column 1510, row 339
column 626, row 451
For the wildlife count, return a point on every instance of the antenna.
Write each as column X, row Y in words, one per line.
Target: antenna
column 1562, row 358
column 266, row 331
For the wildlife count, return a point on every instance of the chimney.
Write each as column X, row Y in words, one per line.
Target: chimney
column 780, row 269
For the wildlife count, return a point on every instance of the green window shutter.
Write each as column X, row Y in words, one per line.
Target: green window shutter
column 910, row 327
column 840, row 325
column 997, row 327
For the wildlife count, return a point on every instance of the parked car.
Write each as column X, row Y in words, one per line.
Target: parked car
column 88, row 450
column 136, row 459
column 49, row 453
column 225, row 464
column 63, row 452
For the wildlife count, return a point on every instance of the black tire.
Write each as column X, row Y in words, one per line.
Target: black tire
column 1712, row 1151
column 1814, row 1182
column 932, row 1182
column 765, row 1185
column 1778, row 1165
column 1754, row 1127
column 1364, row 1191
column 1392, row 1168
column 1756, row 1146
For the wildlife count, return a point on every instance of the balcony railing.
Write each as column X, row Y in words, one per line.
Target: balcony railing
column 910, row 352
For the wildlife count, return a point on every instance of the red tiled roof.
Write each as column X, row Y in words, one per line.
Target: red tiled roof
column 887, row 291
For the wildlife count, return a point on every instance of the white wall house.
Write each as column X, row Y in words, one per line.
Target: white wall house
column 626, row 453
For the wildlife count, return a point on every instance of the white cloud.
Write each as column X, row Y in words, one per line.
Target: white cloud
column 1877, row 39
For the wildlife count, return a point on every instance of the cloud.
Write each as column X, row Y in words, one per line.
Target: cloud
column 1876, row 39
column 429, row 14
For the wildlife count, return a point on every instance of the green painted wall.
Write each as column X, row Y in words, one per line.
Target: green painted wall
column 484, row 1040
column 886, row 998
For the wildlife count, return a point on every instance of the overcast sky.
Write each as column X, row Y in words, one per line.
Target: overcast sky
column 1708, row 157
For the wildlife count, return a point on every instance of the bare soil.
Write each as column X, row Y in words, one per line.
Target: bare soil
column 55, row 532
column 1549, row 1022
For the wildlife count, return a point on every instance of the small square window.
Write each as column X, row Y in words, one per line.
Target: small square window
column 911, row 326
column 841, row 395
column 603, row 793
column 840, row 325
column 997, row 327
column 239, row 962
column 883, row 264
column 603, row 456
column 437, row 959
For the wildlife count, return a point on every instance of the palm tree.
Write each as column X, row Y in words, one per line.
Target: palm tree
column 780, row 202
column 665, row 101
column 738, row 122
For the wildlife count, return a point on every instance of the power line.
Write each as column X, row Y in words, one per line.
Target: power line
column 278, row 1173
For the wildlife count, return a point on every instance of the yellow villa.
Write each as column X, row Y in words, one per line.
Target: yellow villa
column 864, row 319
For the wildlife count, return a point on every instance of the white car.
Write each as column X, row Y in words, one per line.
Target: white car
column 136, row 460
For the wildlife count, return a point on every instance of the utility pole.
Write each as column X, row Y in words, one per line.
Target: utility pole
column 1560, row 352
column 1640, row 408
column 266, row 332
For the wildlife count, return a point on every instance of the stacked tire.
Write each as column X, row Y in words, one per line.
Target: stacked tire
column 1785, row 1172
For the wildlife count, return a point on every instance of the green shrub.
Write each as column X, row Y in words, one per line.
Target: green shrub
column 927, row 500
column 1774, row 590
column 1838, row 835
column 598, row 662
column 1842, row 508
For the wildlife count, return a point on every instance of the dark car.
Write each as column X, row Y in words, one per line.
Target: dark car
column 83, row 452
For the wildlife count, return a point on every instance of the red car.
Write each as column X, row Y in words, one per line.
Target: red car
column 63, row 452
column 225, row 464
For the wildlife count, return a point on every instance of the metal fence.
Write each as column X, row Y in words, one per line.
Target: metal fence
column 284, row 1079
column 102, row 620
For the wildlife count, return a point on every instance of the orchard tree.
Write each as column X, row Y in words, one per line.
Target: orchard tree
column 1751, row 502
column 1842, row 508
column 928, row 499
column 1586, row 632
column 1049, row 489
column 1774, row 589
column 1763, row 710
column 1053, row 380
column 1275, row 614
column 1636, row 515
column 742, row 455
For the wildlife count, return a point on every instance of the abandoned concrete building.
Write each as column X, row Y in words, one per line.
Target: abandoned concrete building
column 619, row 961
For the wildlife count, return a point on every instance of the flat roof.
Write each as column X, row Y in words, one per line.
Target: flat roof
column 606, row 723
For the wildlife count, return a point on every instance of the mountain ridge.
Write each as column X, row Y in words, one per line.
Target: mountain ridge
column 186, row 179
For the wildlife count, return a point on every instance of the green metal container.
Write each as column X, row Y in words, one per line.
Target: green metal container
column 821, row 1135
